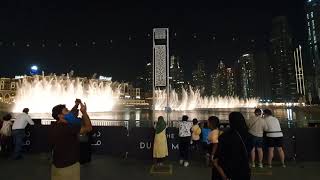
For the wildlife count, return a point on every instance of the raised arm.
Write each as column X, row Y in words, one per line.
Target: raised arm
column 28, row 118
column 86, row 127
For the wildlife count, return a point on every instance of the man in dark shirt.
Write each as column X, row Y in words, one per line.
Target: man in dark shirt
column 64, row 141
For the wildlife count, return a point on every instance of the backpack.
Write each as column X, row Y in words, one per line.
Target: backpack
column 6, row 128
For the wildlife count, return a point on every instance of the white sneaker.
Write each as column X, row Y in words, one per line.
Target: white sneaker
column 181, row 162
column 186, row 164
column 284, row 166
column 253, row 165
column 260, row 165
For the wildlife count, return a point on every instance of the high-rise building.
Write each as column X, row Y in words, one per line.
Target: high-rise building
column 247, row 74
column 148, row 76
column 176, row 72
column 230, row 82
column 199, row 78
column 263, row 79
column 313, row 71
column 223, row 81
column 282, row 63
column 219, row 81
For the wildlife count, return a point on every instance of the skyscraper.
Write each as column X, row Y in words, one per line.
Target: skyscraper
column 247, row 72
column 263, row 78
column 176, row 72
column 282, row 63
column 199, row 78
column 223, row 81
column 219, row 81
column 230, row 82
column 148, row 80
column 313, row 72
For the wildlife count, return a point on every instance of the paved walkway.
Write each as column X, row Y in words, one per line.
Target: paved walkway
column 37, row 167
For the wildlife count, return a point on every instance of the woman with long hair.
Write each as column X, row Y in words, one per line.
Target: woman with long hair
column 232, row 152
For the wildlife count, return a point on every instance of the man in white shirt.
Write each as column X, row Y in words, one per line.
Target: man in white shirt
column 256, row 127
column 18, row 132
column 274, row 136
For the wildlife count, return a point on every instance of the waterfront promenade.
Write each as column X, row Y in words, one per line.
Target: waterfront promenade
column 37, row 167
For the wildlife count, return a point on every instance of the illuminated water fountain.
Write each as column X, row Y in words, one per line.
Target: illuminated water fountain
column 192, row 100
column 41, row 93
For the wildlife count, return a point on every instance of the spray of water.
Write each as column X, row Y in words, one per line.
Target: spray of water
column 192, row 99
column 41, row 93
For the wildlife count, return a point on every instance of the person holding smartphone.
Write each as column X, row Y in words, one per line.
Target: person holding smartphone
column 64, row 141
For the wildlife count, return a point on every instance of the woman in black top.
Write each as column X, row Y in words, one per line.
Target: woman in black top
column 232, row 152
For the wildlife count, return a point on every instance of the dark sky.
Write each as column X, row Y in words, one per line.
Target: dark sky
column 122, row 33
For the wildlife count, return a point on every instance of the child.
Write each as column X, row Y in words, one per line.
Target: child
column 185, row 138
column 5, row 135
column 213, row 122
column 205, row 142
column 196, row 131
column 160, row 146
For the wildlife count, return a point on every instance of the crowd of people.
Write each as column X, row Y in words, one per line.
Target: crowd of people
column 229, row 151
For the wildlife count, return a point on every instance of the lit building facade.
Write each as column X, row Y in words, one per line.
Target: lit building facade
column 282, row 62
column 148, row 80
column 8, row 87
column 247, row 76
column 223, row 81
column 313, row 28
column 176, row 73
column 199, row 78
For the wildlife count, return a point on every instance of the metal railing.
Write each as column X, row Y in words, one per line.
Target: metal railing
column 175, row 123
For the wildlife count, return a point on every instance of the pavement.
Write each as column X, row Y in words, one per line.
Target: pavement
column 37, row 167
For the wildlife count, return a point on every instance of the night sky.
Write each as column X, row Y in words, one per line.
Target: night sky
column 115, row 39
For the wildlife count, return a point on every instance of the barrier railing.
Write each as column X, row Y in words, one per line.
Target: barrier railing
column 286, row 124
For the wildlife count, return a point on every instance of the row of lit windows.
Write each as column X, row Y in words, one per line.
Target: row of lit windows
column 311, row 15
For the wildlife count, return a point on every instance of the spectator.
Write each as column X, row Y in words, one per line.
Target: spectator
column 185, row 137
column 160, row 146
column 64, row 141
column 196, row 131
column 274, row 137
column 5, row 135
column 232, row 154
column 205, row 131
column 256, row 127
column 213, row 122
column 18, row 132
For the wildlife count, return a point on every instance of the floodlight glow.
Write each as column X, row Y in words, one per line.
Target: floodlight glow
column 34, row 68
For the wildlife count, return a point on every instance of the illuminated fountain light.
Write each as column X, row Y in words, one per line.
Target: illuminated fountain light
column 192, row 100
column 41, row 93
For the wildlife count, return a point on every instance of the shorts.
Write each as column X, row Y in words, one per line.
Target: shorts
column 206, row 148
column 274, row 141
column 256, row 141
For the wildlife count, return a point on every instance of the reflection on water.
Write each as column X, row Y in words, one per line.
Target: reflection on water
column 222, row 114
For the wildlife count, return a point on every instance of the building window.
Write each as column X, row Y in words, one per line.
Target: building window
column 13, row 85
column 308, row 24
column 311, row 14
column 309, row 30
column 308, row 16
column 313, row 24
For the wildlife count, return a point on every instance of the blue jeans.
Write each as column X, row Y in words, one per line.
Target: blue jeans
column 18, row 136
